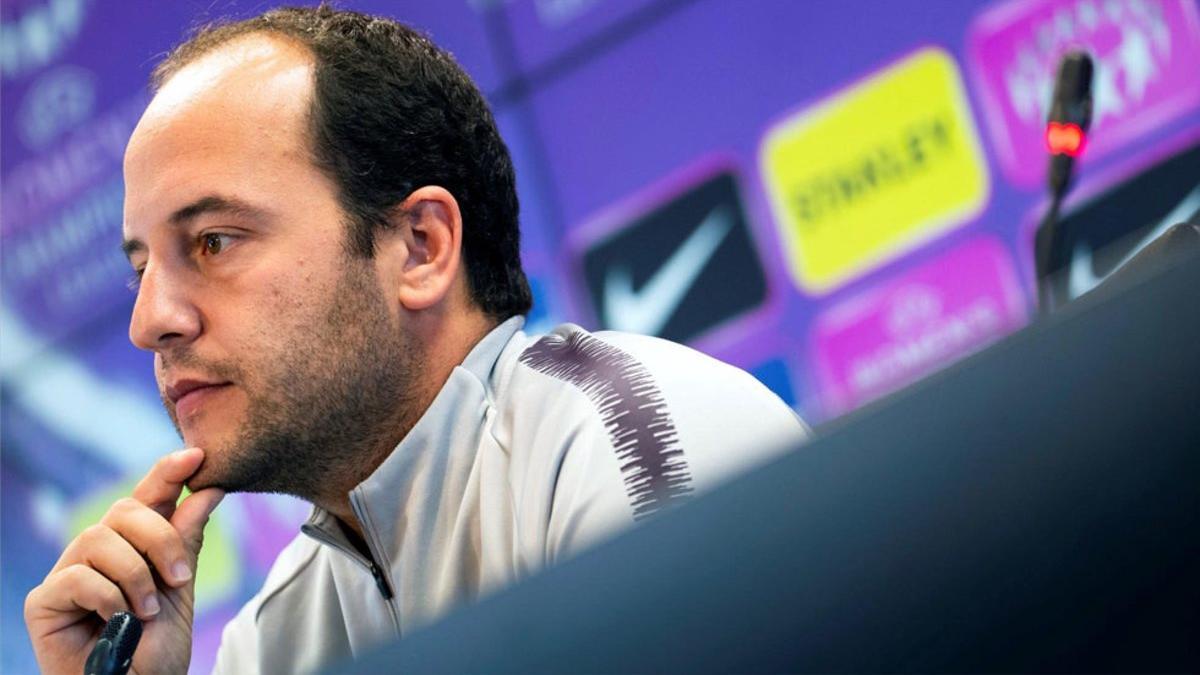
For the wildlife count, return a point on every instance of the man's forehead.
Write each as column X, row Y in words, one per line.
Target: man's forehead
column 261, row 64
column 224, row 121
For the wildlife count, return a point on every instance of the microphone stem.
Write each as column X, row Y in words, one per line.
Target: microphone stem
column 1045, row 244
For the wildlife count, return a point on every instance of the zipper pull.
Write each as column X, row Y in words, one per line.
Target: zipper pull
column 380, row 581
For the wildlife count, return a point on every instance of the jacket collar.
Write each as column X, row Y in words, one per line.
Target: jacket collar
column 426, row 464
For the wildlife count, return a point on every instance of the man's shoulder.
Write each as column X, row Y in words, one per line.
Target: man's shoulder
column 609, row 427
column 589, row 384
column 242, row 646
column 571, row 357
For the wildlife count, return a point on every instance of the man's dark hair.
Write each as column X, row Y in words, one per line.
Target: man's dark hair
column 392, row 112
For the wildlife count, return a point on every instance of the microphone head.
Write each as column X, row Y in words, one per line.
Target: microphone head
column 123, row 630
column 113, row 652
column 1072, row 102
column 1070, row 116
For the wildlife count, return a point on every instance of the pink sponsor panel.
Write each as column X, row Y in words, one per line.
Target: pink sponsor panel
column 889, row 336
column 1147, row 62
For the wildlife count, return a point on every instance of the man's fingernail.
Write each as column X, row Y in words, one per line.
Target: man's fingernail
column 150, row 604
column 181, row 571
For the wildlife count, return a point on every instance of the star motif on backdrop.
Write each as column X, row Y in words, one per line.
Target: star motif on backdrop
column 1107, row 98
column 1160, row 33
column 1064, row 26
column 1114, row 9
column 1029, row 91
column 1136, row 62
column 1089, row 16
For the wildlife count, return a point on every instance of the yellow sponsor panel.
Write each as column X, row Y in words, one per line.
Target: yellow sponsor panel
column 876, row 170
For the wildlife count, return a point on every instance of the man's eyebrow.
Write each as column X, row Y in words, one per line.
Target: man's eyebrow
column 202, row 206
column 131, row 246
column 215, row 204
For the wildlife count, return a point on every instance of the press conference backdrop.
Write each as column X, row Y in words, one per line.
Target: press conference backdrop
column 837, row 196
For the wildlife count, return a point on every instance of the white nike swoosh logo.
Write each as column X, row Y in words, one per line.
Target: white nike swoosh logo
column 647, row 310
column 1083, row 277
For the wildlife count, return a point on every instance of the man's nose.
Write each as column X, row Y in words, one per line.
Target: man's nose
column 163, row 314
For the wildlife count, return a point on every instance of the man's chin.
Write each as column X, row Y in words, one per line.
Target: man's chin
column 206, row 476
column 214, row 471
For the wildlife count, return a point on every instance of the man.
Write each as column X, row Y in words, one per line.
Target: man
column 323, row 220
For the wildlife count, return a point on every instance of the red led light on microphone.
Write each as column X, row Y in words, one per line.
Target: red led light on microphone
column 1065, row 139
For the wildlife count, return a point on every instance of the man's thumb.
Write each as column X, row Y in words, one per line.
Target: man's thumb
column 192, row 514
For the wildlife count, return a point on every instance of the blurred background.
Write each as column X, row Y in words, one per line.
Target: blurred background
column 837, row 196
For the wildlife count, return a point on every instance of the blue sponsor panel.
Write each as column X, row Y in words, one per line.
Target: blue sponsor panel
column 771, row 350
column 775, row 375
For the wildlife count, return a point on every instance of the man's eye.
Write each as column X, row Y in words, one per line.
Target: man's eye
column 213, row 243
column 134, row 282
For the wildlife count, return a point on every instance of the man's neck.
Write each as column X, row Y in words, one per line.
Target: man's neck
column 439, row 356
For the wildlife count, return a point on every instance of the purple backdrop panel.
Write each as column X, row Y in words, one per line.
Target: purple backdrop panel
column 81, row 410
column 543, row 30
column 539, row 242
column 72, row 93
column 708, row 81
column 458, row 26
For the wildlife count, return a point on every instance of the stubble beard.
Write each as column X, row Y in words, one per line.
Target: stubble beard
column 327, row 409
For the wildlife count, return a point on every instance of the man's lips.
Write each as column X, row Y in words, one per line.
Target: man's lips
column 181, row 388
column 189, row 395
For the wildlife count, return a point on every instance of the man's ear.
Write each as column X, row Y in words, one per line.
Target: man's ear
column 424, row 247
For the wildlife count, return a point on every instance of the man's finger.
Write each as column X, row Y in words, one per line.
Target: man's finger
column 72, row 589
column 105, row 551
column 193, row 513
column 153, row 536
column 161, row 487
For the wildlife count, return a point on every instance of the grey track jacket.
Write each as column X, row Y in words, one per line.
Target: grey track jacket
column 535, row 448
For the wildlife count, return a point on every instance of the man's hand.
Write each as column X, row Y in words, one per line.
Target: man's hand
column 140, row 558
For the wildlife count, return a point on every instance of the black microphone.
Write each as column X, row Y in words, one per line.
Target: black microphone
column 1070, row 116
column 113, row 652
column 1066, row 135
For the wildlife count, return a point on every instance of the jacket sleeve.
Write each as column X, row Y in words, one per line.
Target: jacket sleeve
column 282, row 595
column 238, row 652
